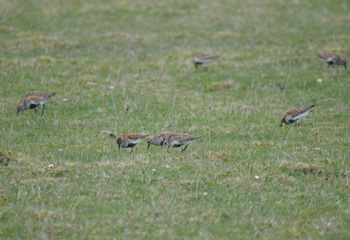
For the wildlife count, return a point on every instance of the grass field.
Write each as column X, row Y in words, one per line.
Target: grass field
column 247, row 178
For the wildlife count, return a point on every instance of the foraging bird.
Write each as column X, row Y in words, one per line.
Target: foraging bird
column 295, row 115
column 34, row 100
column 180, row 140
column 159, row 138
column 129, row 140
column 332, row 59
column 203, row 59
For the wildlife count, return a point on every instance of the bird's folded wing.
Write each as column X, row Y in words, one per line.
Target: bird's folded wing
column 329, row 59
column 304, row 114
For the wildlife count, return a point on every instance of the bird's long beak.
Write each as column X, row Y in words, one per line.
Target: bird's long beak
column 119, row 147
column 17, row 111
column 148, row 145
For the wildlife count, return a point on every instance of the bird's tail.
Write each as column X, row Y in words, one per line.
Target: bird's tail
column 309, row 108
column 112, row 135
column 192, row 138
column 212, row 58
column 312, row 106
column 144, row 136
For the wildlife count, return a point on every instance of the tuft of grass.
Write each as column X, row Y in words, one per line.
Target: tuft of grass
column 219, row 86
column 6, row 157
column 301, row 167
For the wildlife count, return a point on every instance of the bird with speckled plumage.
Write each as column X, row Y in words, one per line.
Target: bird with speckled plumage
column 34, row 100
column 295, row 115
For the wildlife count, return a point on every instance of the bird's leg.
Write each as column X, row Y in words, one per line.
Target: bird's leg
column 132, row 150
column 184, row 149
column 205, row 67
column 164, row 143
column 42, row 113
column 35, row 110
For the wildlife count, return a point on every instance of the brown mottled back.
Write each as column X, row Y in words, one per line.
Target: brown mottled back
column 204, row 56
column 42, row 94
column 134, row 136
column 184, row 138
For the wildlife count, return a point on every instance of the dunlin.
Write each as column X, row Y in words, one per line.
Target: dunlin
column 159, row 138
column 180, row 140
column 203, row 59
column 34, row 100
column 295, row 115
column 332, row 59
column 129, row 140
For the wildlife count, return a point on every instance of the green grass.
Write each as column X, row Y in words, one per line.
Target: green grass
column 80, row 48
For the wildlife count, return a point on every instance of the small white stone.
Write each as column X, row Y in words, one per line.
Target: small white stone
column 50, row 165
column 111, row 87
column 60, row 150
column 257, row 177
column 205, row 193
column 153, row 170
column 167, row 166
column 65, row 99
column 319, row 80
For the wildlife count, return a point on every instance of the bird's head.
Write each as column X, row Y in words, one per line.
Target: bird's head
column 20, row 107
column 283, row 122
